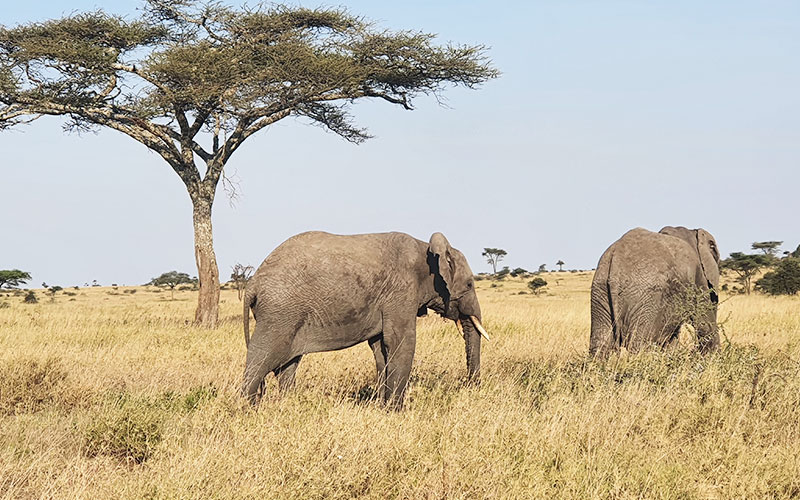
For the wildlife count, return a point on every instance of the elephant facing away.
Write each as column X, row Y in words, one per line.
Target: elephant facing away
column 643, row 285
column 322, row 292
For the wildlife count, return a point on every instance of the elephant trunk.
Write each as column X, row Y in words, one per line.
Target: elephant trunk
column 472, row 340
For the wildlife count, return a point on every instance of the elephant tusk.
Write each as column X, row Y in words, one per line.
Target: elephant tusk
column 479, row 327
column 460, row 328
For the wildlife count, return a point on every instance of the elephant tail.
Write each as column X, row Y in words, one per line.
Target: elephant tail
column 248, row 302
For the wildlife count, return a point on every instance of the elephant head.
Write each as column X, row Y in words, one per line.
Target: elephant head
column 453, row 281
column 707, row 252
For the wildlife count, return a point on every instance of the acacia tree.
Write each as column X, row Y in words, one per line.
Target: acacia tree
column 192, row 81
column 170, row 280
column 493, row 257
column 768, row 247
column 745, row 267
column 560, row 265
column 240, row 275
column 12, row 278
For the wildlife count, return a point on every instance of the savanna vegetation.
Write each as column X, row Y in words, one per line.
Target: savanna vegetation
column 193, row 80
column 112, row 394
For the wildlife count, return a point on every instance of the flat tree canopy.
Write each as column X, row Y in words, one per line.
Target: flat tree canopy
column 768, row 247
column 192, row 81
column 170, row 280
column 493, row 257
column 12, row 278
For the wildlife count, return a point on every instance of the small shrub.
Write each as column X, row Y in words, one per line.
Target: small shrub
column 28, row 385
column 501, row 274
column 126, row 430
column 4, row 305
column 519, row 271
column 30, row 298
column 198, row 396
column 536, row 284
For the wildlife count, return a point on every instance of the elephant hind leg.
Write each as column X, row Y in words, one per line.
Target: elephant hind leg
column 601, row 339
column 285, row 374
column 265, row 354
column 379, row 351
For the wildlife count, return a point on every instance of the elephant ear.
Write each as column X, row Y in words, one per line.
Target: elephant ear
column 709, row 256
column 440, row 248
column 706, row 247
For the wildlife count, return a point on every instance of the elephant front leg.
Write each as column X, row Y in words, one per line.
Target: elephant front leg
column 399, row 339
column 378, row 350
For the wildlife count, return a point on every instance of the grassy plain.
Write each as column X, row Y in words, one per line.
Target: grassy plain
column 112, row 394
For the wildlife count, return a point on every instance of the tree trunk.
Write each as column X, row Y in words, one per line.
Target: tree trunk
column 207, row 272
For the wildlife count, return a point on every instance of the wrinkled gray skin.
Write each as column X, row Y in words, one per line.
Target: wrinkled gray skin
column 637, row 279
column 323, row 292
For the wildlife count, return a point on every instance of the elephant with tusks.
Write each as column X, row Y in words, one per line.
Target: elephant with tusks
column 322, row 292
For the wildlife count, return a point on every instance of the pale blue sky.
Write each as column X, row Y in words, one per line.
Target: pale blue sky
column 609, row 115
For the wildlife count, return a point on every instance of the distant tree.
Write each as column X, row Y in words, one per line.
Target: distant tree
column 542, row 268
column 768, row 247
column 519, row 272
column 192, row 80
column 240, row 275
column 52, row 290
column 12, row 278
column 494, row 256
column 95, row 283
column 560, row 265
column 502, row 273
column 784, row 280
column 745, row 266
column 171, row 280
column 536, row 285
column 796, row 253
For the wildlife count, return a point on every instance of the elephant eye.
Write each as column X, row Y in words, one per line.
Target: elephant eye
column 469, row 285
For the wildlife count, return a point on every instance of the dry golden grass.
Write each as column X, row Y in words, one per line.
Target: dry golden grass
column 115, row 395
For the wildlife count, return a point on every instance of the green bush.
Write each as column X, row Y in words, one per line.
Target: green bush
column 536, row 284
column 784, row 280
column 126, row 430
column 198, row 396
column 499, row 275
column 30, row 298
column 519, row 271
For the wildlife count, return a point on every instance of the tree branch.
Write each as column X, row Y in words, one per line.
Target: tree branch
column 135, row 71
